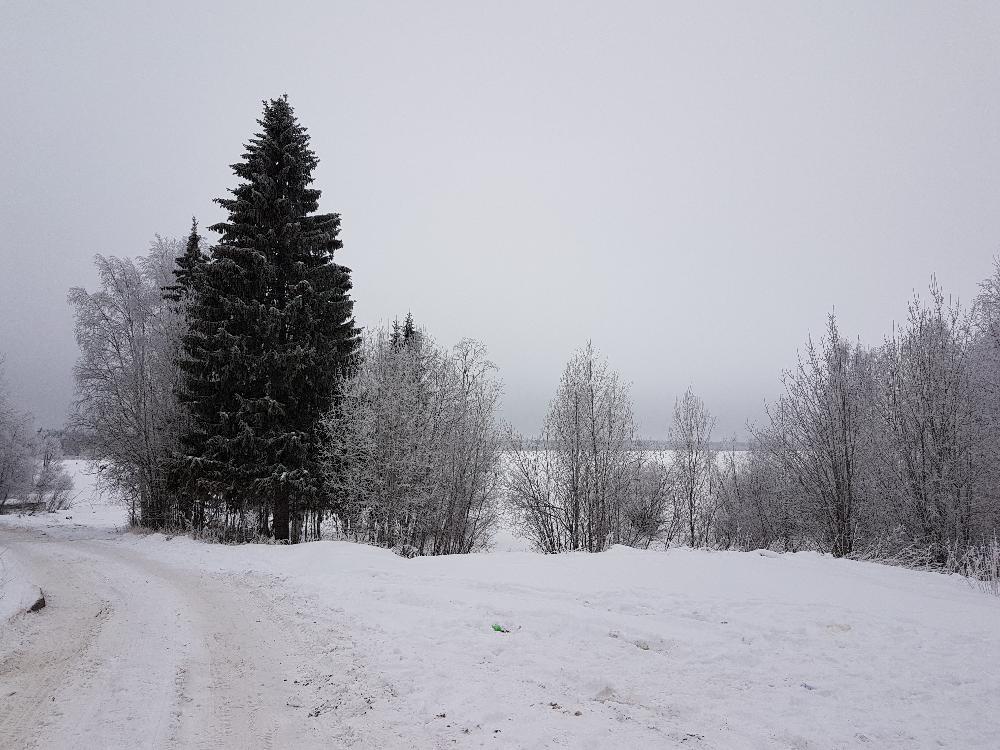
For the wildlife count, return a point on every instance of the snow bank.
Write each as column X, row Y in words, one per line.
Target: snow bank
column 17, row 593
column 726, row 650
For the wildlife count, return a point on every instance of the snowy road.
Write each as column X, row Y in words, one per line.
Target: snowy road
column 134, row 653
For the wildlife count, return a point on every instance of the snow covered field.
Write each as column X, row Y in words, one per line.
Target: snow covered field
column 155, row 642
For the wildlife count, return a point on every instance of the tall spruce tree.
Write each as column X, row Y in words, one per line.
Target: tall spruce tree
column 271, row 331
column 187, row 265
column 182, row 293
column 397, row 332
column 409, row 327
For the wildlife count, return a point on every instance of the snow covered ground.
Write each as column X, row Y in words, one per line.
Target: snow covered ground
column 16, row 591
column 155, row 642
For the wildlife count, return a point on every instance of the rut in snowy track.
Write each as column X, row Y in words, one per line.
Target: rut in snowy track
column 132, row 652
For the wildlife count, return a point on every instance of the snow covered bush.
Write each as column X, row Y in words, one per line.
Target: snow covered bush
column 981, row 563
column 52, row 484
column 414, row 446
column 755, row 505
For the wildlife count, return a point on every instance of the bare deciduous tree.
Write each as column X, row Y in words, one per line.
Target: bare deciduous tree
column 52, row 485
column 887, row 453
column 756, row 505
column 693, row 465
column 31, row 468
column 126, row 378
column 587, row 483
column 414, row 446
column 816, row 433
column 930, row 453
column 17, row 449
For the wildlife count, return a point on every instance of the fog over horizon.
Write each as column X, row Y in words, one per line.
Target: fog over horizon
column 692, row 188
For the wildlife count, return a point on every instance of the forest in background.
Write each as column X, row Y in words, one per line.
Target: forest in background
column 225, row 390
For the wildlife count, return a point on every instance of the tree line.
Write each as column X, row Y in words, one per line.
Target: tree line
column 32, row 475
column 226, row 390
column 886, row 452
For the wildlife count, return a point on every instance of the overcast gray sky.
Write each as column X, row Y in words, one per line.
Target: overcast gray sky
column 692, row 186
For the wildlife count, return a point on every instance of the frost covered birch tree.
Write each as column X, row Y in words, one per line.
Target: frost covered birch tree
column 931, row 458
column 587, row 483
column 126, row 376
column 17, row 448
column 693, row 465
column 414, row 446
column 755, row 504
column 888, row 453
column 52, row 485
column 816, row 434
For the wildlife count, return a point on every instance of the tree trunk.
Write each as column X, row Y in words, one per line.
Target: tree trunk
column 281, row 515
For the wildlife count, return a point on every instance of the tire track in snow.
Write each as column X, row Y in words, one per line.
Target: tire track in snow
column 136, row 653
column 34, row 659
